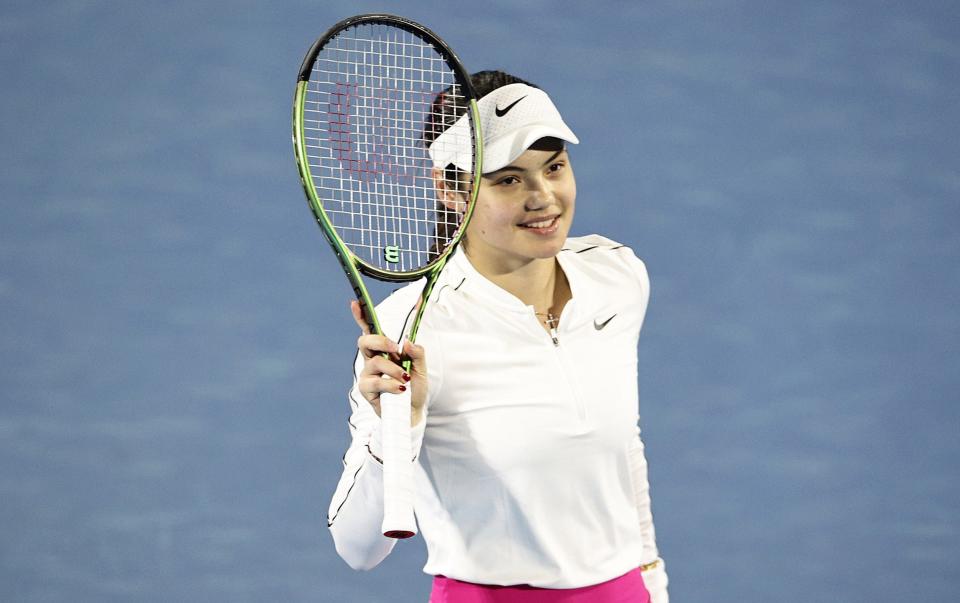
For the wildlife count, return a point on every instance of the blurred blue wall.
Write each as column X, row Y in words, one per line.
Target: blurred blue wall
column 176, row 341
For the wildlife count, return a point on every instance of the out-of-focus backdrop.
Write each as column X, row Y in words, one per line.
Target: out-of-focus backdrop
column 175, row 340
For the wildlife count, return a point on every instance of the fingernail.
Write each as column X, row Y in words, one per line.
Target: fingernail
column 402, row 387
column 406, row 377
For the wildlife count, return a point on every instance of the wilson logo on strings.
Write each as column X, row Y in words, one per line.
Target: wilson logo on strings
column 391, row 254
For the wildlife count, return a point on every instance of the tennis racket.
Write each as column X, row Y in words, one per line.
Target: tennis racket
column 367, row 91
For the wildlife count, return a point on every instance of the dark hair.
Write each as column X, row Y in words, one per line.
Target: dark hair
column 447, row 107
column 445, row 111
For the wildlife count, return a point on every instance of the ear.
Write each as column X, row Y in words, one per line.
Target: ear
column 446, row 194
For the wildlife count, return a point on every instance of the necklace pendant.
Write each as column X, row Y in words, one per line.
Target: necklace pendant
column 551, row 322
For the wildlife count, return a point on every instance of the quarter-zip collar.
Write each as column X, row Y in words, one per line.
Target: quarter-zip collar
column 584, row 303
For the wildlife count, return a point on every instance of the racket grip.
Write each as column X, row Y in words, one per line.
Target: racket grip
column 398, row 521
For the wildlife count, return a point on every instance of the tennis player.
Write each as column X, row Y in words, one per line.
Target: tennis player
column 530, row 476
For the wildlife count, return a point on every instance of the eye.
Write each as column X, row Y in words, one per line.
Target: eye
column 507, row 181
column 556, row 166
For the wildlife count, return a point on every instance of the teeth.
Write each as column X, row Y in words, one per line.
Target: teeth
column 543, row 224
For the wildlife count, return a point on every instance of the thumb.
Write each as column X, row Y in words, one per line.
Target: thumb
column 356, row 308
column 413, row 351
column 418, row 358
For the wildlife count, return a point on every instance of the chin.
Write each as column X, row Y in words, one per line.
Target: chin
column 550, row 249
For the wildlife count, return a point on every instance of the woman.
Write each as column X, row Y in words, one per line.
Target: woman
column 531, row 482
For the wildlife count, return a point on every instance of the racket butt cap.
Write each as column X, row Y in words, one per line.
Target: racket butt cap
column 398, row 534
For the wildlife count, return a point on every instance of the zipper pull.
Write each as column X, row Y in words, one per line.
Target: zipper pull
column 552, row 323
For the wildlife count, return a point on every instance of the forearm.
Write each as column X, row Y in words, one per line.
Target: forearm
column 356, row 510
column 356, row 515
column 641, row 492
column 654, row 568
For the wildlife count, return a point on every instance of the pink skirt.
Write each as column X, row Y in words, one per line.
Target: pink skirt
column 628, row 588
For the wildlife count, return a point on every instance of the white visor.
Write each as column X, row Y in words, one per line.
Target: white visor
column 513, row 118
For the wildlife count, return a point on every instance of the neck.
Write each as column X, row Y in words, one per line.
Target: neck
column 539, row 283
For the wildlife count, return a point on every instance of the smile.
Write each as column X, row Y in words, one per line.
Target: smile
column 544, row 226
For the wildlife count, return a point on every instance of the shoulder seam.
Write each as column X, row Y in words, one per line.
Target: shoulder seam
column 592, row 247
column 457, row 288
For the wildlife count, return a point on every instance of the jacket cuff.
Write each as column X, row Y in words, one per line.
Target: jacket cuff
column 655, row 579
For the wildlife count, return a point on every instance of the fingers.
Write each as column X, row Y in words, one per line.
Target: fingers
column 372, row 386
column 382, row 371
column 378, row 345
column 368, row 344
column 381, row 375
column 378, row 366
column 413, row 351
column 418, row 377
column 417, row 356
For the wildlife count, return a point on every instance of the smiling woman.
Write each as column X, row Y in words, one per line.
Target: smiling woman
column 524, row 212
column 530, row 475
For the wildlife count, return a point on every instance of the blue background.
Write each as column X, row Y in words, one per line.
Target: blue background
column 176, row 340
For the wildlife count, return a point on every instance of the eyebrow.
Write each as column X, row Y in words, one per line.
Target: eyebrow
column 511, row 168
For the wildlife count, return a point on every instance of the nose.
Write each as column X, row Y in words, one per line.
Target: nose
column 539, row 194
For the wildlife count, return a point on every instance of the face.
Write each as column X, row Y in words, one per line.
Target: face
column 523, row 212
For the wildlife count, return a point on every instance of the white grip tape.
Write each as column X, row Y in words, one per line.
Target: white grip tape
column 398, row 521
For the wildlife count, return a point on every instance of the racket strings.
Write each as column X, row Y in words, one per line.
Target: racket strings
column 371, row 94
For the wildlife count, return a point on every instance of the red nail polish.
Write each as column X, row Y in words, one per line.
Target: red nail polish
column 403, row 388
column 406, row 377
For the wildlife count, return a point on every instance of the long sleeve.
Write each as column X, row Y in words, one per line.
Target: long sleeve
column 655, row 569
column 655, row 576
column 356, row 510
column 355, row 517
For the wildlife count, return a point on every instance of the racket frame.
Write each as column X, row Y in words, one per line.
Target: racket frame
column 398, row 523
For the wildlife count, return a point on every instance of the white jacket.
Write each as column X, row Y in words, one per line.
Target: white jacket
column 530, row 467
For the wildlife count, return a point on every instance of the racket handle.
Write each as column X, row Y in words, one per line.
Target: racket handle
column 398, row 521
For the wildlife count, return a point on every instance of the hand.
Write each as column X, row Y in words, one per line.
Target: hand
column 381, row 374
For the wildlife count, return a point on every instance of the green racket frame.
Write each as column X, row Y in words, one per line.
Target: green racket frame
column 352, row 265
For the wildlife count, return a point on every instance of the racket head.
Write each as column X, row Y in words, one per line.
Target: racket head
column 366, row 91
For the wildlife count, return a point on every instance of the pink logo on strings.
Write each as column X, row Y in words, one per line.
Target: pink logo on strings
column 369, row 134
